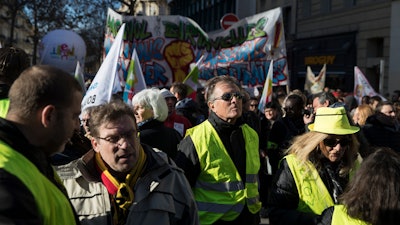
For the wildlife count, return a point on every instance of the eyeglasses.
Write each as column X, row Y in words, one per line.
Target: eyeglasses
column 116, row 139
column 332, row 142
column 253, row 105
column 229, row 96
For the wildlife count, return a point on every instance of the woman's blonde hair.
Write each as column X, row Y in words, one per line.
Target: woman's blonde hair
column 364, row 111
column 307, row 145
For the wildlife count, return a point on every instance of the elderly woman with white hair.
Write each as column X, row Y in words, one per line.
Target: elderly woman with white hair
column 151, row 111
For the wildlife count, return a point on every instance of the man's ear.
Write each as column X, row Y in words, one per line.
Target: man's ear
column 95, row 144
column 48, row 115
column 210, row 105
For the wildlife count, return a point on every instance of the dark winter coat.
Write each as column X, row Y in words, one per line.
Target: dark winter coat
column 155, row 134
column 382, row 130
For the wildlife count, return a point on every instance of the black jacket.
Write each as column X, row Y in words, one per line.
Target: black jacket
column 4, row 89
column 326, row 216
column 284, row 198
column 155, row 134
column 281, row 134
column 382, row 130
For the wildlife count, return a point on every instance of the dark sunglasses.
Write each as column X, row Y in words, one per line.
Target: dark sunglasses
column 229, row 96
column 332, row 142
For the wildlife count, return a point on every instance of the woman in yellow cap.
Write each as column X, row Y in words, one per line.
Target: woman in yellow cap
column 315, row 170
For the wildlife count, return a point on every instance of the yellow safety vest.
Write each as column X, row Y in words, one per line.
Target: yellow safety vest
column 4, row 103
column 313, row 194
column 340, row 217
column 219, row 190
column 53, row 205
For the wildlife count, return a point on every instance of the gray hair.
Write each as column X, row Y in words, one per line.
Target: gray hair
column 152, row 99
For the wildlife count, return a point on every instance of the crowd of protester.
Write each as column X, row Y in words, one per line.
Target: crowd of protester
column 212, row 159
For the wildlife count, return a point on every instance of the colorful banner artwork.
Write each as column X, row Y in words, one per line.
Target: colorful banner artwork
column 167, row 45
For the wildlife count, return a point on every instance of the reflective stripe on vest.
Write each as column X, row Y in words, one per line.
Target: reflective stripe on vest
column 313, row 194
column 4, row 104
column 52, row 204
column 219, row 190
column 340, row 217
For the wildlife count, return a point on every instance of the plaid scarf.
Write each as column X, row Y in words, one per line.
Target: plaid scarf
column 121, row 192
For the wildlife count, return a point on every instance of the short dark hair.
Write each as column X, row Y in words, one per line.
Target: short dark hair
column 210, row 85
column 12, row 62
column 39, row 86
column 180, row 88
column 325, row 96
column 273, row 105
column 380, row 105
column 108, row 112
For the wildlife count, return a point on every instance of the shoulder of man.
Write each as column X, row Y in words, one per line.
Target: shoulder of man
column 68, row 171
column 160, row 157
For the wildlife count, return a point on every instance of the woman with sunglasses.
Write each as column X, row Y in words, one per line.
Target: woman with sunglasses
column 315, row 170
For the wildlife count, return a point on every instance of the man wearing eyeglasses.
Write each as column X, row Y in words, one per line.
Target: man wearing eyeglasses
column 221, row 160
column 122, row 181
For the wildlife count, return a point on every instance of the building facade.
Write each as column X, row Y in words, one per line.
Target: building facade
column 208, row 13
column 23, row 30
column 340, row 33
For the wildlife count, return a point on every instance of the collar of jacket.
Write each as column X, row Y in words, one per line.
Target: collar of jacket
column 148, row 124
column 13, row 137
column 222, row 125
column 4, row 89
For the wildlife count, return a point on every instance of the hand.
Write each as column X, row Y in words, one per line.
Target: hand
column 307, row 119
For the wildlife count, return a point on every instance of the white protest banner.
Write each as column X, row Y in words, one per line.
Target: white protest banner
column 315, row 84
column 79, row 76
column 362, row 86
column 266, row 95
column 101, row 89
column 167, row 45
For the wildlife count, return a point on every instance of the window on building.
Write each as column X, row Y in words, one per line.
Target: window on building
column 287, row 18
column 326, row 6
column 375, row 47
column 306, row 8
column 349, row 3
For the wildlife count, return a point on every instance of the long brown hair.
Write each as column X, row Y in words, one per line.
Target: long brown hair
column 373, row 195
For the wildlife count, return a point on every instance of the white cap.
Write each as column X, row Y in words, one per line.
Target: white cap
column 166, row 93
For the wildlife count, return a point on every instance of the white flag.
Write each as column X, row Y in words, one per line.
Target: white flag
column 315, row 84
column 362, row 86
column 266, row 95
column 135, row 81
column 101, row 89
column 79, row 76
